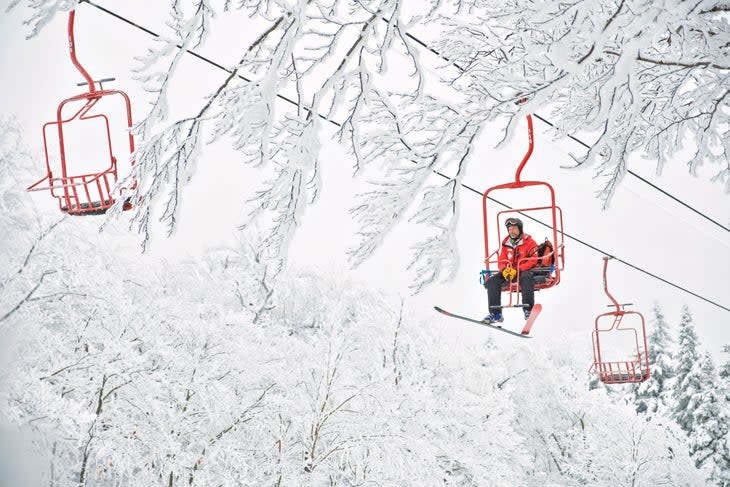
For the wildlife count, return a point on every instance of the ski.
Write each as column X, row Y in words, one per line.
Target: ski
column 531, row 320
column 489, row 325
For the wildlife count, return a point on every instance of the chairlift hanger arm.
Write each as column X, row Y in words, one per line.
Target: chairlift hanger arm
column 605, row 286
column 72, row 52
column 530, row 148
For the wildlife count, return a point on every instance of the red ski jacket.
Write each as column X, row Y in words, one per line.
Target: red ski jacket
column 513, row 253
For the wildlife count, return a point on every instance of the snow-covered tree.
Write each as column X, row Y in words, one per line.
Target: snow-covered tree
column 25, row 269
column 725, row 379
column 699, row 408
column 578, row 436
column 725, row 369
column 650, row 397
column 161, row 376
column 646, row 77
column 688, row 372
column 709, row 441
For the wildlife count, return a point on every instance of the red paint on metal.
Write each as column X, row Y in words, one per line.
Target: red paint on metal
column 77, row 193
column 635, row 369
column 72, row 51
column 556, row 224
column 530, row 148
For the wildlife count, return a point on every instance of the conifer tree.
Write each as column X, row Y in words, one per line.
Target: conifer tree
column 725, row 378
column 709, row 443
column 688, row 371
column 651, row 395
column 698, row 405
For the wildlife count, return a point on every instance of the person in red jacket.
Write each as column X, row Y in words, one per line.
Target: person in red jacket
column 519, row 252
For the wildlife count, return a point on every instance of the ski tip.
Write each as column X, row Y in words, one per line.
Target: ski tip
column 442, row 311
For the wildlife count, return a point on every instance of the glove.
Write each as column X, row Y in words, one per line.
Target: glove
column 509, row 273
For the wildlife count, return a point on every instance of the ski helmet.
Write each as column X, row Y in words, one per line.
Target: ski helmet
column 513, row 221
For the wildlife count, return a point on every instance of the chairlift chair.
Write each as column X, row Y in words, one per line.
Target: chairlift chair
column 545, row 277
column 84, row 192
column 634, row 368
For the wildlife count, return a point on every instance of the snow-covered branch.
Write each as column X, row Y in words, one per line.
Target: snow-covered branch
column 645, row 76
column 437, row 257
column 412, row 140
column 641, row 77
column 43, row 11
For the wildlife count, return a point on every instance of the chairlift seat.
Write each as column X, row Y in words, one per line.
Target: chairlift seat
column 542, row 278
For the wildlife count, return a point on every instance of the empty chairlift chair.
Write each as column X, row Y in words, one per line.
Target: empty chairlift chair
column 80, row 185
column 620, row 350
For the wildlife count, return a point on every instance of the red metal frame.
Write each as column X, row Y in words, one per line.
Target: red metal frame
column 77, row 193
column 491, row 257
column 624, row 371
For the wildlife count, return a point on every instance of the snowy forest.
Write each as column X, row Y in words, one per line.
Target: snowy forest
column 241, row 366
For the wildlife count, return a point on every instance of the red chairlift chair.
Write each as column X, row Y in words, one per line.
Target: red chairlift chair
column 545, row 277
column 635, row 368
column 84, row 192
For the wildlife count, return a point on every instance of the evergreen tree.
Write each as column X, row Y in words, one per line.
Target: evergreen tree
column 725, row 382
column 725, row 368
column 709, row 442
column 650, row 396
column 725, row 375
column 688, row 371
column 698, row 405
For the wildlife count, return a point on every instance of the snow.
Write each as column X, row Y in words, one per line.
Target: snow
column 272, row 353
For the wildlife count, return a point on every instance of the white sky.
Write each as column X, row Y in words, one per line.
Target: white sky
column 642, row 226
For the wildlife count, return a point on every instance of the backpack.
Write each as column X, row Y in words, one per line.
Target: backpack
column 544, row 251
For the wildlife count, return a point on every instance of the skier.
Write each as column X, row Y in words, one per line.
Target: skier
column 519, row 251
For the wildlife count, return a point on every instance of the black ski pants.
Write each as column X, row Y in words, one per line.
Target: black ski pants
column 494, row 290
